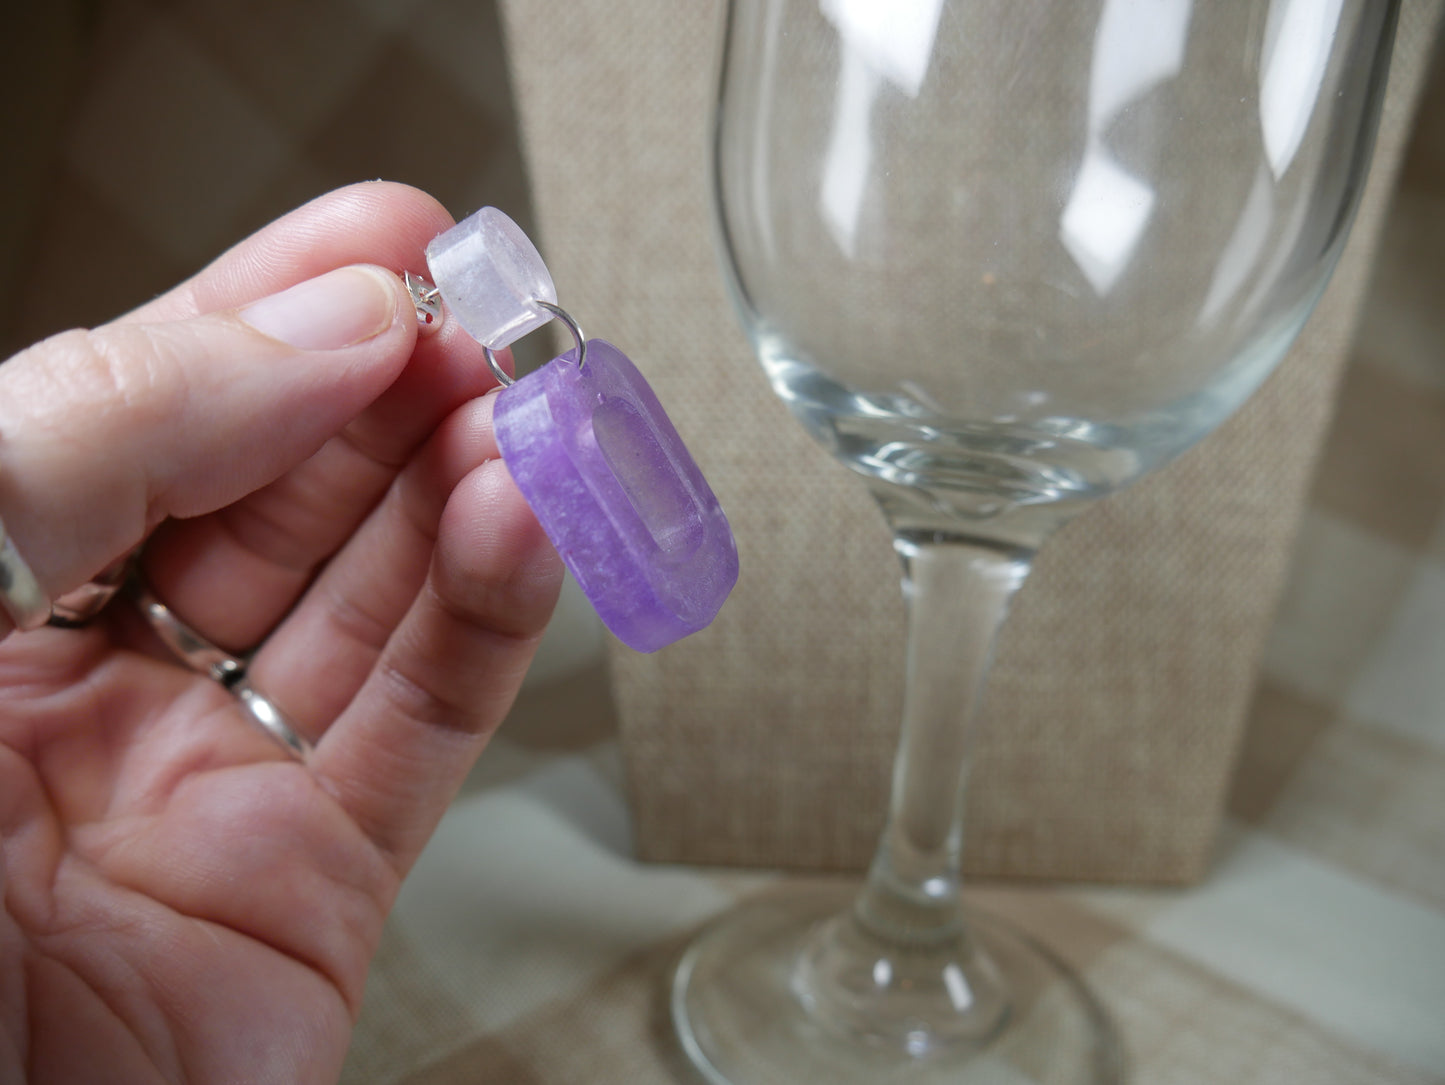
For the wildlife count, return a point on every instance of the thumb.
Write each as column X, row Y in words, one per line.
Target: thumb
column 104, row 433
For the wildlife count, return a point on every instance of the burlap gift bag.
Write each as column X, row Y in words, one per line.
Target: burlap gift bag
column 1124, row 674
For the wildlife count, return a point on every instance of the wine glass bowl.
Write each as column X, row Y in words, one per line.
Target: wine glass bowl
column 1022, row 253
column 1001, row 258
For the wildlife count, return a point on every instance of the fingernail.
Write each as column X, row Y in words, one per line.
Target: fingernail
column 335, row 310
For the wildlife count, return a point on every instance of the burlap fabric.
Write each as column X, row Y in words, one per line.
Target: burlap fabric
column 1122, row 679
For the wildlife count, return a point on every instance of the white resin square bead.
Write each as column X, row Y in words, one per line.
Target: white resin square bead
column 491, row 277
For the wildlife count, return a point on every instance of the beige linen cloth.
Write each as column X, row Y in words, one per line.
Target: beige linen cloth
column 1123, row 677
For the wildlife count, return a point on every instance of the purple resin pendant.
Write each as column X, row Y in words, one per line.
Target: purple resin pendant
column 619, row 495
column 591, row 449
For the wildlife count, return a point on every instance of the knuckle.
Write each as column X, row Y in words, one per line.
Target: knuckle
column 112, row 370
column 513, row 604
column 417, row 697
column 116, row 381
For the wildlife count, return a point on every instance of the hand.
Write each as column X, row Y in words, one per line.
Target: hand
column 182, row 901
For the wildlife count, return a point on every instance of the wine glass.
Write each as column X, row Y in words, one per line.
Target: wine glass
column 1002, row 258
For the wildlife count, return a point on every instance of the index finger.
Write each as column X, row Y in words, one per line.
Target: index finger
column 373, row 222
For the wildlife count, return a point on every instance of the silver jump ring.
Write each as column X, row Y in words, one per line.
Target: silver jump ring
column 505, row 380
column 203, row 657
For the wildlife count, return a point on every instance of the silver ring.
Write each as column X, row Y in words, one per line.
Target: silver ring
column 20, row 593
column 203, row 657
column 561, row 314
column 265, row 715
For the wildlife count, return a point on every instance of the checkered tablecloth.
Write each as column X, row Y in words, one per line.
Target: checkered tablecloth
column 528, row 946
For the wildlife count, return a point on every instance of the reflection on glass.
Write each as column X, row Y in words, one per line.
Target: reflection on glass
column 846, row 162
column 894, row 40
column 883, row 42
column 1104, row 218
column 1136, row 47
column 1298, row 39
column 1242, row 251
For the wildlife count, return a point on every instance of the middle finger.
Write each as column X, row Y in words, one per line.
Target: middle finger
column 235, row 573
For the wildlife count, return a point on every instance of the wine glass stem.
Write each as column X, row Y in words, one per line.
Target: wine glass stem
column 958, row 592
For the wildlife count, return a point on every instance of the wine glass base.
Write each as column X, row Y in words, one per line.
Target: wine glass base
column 741, row 1023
